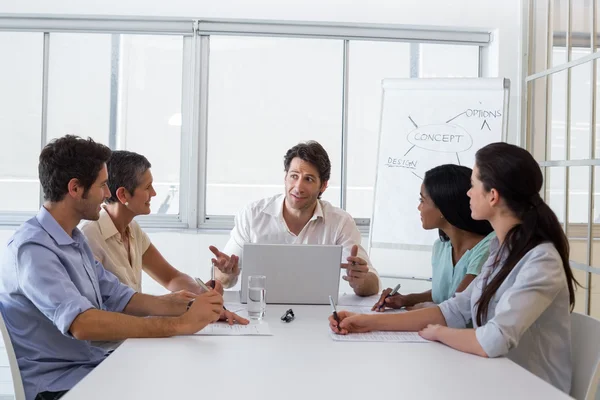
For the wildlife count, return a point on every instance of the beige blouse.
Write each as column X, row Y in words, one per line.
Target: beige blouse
column 108, row 248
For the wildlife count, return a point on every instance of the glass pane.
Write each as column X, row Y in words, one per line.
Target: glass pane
column 538, row 46
column 597, row 23
column 579, row 189
column 266, row 95
column 580, row 111
column 581, row 28
column 579, row 193
column 370, row 62
column 595, row 279
column 79, row 85
column 580, row 276
column 150, row 92
column 560, row 10
column 597, row 111
column 21, row 72
column 448, row 61
column 537, row 118
column 555, row 191
column 556, row 141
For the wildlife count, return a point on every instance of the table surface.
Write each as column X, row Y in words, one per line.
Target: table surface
column 301, row 361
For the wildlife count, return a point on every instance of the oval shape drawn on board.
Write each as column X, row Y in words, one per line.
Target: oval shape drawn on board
column 447, row 138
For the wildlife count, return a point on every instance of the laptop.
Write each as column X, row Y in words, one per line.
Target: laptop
column 296, row 273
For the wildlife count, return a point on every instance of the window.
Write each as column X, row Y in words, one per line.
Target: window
column 216, row 140
column 149, row 110
column 79, row 85
column 564, row 150
column 370, row 63
column 124, row 91
column 266, row 95
column 20, row 119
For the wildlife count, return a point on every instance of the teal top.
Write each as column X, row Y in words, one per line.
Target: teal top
column 446, row 277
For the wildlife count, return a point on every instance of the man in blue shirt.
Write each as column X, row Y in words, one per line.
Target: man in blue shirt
column 56, row 298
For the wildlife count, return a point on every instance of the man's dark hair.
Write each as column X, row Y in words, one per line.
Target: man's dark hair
column 66, row 158
column 311, row 152
column 125, row 169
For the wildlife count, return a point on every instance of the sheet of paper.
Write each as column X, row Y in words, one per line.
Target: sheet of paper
column 396, row 337
column 235, row 307
column 347, row 299
column 367, row 310
column 224, row 329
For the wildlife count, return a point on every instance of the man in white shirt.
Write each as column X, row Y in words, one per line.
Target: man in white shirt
column 299, row 217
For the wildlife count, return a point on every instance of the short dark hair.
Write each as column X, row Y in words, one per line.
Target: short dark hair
column 125, row 168
column 447, row 186
column 313, row 153
column 70, row 157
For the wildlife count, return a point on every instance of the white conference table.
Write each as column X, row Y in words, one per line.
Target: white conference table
column 300, row 361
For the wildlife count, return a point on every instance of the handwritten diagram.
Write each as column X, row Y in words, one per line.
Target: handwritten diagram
column 445, row 137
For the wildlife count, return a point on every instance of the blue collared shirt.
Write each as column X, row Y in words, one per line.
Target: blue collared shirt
column 47, row 279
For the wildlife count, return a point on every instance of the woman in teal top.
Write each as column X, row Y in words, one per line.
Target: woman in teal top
column 463, row 246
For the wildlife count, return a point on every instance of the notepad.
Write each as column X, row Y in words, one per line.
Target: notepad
column 224, row 329
column 380, row 336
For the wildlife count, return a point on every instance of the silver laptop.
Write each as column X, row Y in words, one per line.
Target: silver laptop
column 296, row 273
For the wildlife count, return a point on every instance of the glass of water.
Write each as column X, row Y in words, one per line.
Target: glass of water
column 256, row 296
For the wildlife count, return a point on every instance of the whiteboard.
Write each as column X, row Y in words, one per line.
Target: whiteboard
column 426, row 123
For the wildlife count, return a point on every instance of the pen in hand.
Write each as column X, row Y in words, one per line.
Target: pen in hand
column 392, row 293
column 334, row 312
column 208, row 289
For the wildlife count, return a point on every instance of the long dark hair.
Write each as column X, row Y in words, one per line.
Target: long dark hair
column 447, row 186
column 514, row 173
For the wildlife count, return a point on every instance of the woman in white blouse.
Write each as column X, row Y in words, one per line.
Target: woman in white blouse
column 521, row 301
column 119, row 243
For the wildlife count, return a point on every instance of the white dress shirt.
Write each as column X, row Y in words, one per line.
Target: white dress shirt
column 262, row 222
column 529, row 316
column 108, row 248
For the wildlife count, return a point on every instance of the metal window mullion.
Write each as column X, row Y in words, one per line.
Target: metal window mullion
column 525, row 140
column 568, row 119
column 344, row 31
column 115, row 61
column 187, row 162
column 592, row 155
column 201, row 122
column 45, row 76
column 345, row 100
column 95, row 24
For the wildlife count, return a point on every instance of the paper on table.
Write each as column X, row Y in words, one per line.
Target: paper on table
column 235, row 307
column 354, row 300
column 367, row 310
column 378, row 336
column 224, row 329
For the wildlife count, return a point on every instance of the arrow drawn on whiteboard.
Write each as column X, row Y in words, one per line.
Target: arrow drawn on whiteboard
column 416, row 175
column 413, row 122
column 458, row 159
column 485, row 124
column 452, row 119
column 413, row 146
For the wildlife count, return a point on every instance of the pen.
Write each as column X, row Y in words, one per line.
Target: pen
column 334, row 312
column 393, row 292
column 203, row 286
